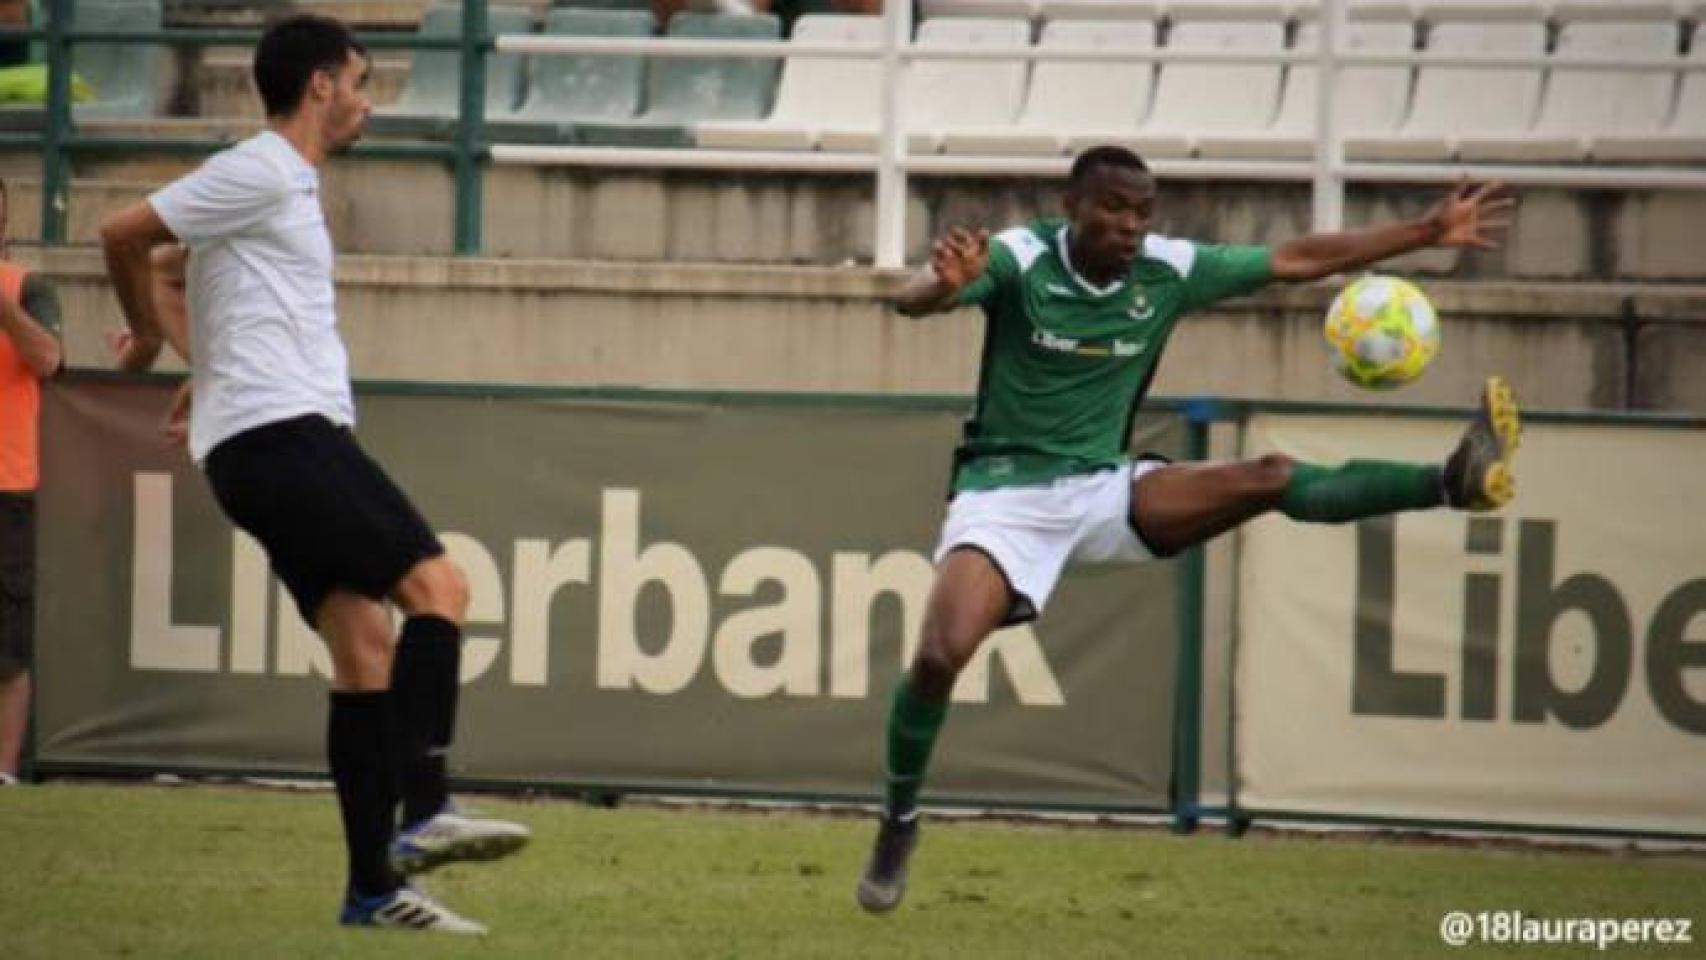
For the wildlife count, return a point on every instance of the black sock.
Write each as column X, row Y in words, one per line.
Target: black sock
column 423, row 696
column 357, row 745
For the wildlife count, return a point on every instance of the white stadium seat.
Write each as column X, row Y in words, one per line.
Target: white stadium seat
column 1103, row 10
column 1370, row 100
column 939, row 96
column 1684, row 140
column 1065, row 100
column 1578, row 103
column 1193, row 99
column 814, row 92
column 1459, row 11
column 998, row 9
column 1451, row 102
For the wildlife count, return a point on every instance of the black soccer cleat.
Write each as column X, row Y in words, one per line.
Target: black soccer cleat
column 884, row 882
column 1478, row 473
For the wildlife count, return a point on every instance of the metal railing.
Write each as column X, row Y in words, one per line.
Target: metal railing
column 464, row 154
column 468, row 151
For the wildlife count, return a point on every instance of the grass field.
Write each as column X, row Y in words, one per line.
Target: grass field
column 133, row 871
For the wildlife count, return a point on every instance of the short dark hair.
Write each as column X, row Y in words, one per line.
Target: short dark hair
column 290, row 53
column 1104, row 156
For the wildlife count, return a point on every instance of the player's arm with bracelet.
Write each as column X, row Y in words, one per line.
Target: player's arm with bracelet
column 1465, row 218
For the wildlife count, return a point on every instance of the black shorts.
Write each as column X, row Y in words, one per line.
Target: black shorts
column 17, row 582
column 325, row 512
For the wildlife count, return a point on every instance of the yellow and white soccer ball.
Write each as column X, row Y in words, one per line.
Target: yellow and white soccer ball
column 1383, row 332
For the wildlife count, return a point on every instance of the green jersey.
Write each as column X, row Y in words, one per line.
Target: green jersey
column 1065, row 363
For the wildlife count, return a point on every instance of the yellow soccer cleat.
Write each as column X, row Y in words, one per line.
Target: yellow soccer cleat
column 1478, row 473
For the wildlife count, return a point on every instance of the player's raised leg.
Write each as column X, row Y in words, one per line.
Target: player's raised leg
column 1182, row 505
column 424, row 684
column 969, row 600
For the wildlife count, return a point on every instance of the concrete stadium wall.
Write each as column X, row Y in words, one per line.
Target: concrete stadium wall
column 709, row 327
column 763, row 217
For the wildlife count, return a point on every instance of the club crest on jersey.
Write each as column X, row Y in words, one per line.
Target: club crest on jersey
column 1141, row 309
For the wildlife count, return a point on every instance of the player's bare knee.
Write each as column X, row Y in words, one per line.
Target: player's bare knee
column 437, row 586
column 939, row 659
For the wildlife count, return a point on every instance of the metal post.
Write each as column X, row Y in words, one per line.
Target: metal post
column 55, row 172
column 891, row 148
column 1187, row 686
column 470, row 120
column 1329, row 197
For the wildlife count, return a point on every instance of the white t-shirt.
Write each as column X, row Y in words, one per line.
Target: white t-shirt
column 263, row 313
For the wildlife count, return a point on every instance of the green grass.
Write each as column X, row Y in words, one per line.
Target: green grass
column 129, row 871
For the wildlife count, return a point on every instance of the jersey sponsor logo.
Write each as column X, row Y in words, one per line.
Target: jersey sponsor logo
column 1060, row 344
column 1055, row 342
column 1059, row 290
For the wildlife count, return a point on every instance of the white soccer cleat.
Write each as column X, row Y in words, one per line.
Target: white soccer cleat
column 449, row 836
column 406, row 909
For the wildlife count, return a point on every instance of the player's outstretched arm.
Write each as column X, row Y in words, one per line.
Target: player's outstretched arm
column 955, row 260
column 128, row 239
column 1471, row 216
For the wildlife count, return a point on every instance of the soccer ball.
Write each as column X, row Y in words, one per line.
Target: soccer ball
column 1382, row 332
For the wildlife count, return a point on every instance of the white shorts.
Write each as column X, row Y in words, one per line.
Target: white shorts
column 1031, row 532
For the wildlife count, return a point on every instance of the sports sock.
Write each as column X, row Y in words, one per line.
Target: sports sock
column 423, row 698
column 913, row 726
column 357, row 746
column 1359, row 489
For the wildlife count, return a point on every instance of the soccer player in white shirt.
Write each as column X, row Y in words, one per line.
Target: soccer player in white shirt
column 270, row 424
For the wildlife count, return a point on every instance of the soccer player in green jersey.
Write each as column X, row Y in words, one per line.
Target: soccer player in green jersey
column 1078, row 312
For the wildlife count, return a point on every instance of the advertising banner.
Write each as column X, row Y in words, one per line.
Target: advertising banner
column 1541, row 665
column 707, row 595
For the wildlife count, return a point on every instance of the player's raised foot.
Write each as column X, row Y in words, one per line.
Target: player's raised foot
column 451, row 835
column 406, row 909
column 884, row 882
column 1478, row 473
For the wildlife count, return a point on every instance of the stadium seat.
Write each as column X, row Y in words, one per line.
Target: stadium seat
column 126, row 77
column 565, row 89
column 1067, row 99
column 994, row 9
column 428, row 106
column 1458, row 11
column 1194, row 99
column 1370, row 100
column 814, row 91
column 1453, row 102
column 945, row 95
column 1579, row 104
column 1684, row 139
column 1103, row 10
column 683, row 91
column 642, row 5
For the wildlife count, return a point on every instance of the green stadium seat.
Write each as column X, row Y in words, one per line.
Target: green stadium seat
column 566, row 89
column 682, row 91
column 126, row 77
column 428, row 106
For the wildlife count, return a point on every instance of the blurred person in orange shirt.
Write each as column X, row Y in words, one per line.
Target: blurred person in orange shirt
column 29, row 354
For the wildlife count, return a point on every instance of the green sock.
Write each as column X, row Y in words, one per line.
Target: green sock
column 913, row 726
column 1358, row 489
